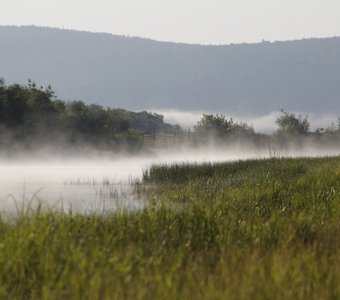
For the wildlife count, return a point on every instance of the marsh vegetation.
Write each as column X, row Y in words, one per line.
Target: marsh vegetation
column 253, row 229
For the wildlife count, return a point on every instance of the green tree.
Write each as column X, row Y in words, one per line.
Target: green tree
column 2, row 83
column 216, row 125
column 288, row 123
column 220, row 127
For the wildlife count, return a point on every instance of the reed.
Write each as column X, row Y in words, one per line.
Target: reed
column 257, row 229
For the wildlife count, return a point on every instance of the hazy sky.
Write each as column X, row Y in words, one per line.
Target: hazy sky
column 193, row 21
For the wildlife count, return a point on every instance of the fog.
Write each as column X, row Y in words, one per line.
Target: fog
column 261, row 123
column 99, row 183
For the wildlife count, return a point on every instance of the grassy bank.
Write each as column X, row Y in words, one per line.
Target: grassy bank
column 259, row 229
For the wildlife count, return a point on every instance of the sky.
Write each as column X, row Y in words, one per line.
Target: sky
column 188, row 21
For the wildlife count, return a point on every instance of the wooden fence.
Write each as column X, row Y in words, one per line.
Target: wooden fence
column 169, row 138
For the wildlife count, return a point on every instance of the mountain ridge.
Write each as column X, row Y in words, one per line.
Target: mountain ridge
column 140, row 73
column 161, row 41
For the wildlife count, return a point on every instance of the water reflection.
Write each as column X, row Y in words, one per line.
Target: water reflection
column 78, row 187
column 97, row 184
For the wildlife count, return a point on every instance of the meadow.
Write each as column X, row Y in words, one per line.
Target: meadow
column 252, row 229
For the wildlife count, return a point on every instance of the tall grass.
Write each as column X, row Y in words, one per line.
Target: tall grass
column 258, row 229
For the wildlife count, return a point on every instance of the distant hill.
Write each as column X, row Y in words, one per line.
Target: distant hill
column 135, row 73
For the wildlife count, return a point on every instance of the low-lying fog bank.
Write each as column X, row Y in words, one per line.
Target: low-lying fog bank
column 98, row 182
column 261, row 123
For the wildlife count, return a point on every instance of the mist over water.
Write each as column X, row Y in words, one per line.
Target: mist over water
column 101, row 183
column 261, row 123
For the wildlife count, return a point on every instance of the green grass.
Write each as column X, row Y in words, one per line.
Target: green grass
column 257, row 229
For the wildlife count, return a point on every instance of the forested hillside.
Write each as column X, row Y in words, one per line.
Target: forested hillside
column 137, row 73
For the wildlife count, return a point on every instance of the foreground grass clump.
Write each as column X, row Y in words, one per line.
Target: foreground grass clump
column 260, row 229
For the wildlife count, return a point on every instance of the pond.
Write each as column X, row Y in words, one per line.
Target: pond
column 92, row 184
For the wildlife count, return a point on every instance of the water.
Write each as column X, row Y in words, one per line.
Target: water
column 73, row 185
column 93, row 184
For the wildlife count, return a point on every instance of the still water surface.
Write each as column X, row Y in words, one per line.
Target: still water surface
column 74, row 185
column 92, row 184
column 84, row 185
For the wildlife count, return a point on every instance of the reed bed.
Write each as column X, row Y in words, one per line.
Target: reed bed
column 257, row 229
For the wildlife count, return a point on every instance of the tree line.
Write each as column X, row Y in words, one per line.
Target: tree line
column 291, row 128
column 32, row 115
